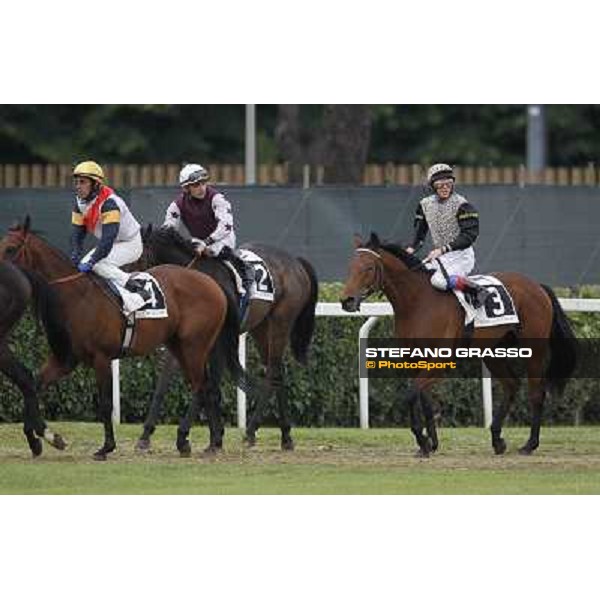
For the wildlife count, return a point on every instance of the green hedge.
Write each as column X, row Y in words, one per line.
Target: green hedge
column 324, row 394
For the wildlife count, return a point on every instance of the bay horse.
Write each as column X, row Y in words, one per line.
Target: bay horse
column 422, row 312
column 19, row 289
column 290, row 318
column 198, row 313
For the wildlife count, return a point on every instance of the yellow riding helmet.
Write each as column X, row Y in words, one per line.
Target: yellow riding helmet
column 90, row 169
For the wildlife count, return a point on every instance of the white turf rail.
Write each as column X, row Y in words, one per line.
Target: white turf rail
column 371, row 311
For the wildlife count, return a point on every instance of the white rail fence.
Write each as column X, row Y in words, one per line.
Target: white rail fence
column 372, row 312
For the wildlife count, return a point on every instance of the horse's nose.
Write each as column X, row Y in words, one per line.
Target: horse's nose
column 350, row 304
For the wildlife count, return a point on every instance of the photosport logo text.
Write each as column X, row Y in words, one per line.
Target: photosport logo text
column 400, row 358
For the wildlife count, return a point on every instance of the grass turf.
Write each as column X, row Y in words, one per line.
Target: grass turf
column 326, row 461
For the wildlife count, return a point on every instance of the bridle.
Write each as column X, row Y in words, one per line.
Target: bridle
column 377, row 284
column 22, row 253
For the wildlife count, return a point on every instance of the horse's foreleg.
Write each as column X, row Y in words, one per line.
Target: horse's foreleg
column 416, row 425
column 102, row 367
column 427, row 408
column 52, row 371
column 169, row 366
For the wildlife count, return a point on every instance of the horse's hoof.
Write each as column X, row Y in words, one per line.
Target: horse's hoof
column 250, row 441
column 99, row 455
column 58, row 442
column 500, row 447
column 526, row 450
column 212, row 450
column 422, row 453
column 142, row 445
column 36, row 447
column 185, row 449
column 287, row 445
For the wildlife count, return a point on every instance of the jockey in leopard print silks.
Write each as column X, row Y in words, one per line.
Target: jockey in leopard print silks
column 454, row 226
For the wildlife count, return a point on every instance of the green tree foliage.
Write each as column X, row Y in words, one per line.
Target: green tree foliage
column 156, row 133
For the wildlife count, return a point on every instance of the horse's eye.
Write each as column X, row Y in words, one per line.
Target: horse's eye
column 10, row 250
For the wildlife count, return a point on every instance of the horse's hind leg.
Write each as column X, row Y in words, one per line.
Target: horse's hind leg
column 502, row 370
column 169, row 366
column 271, row 338
column 260, row 336
column 213, row 414
column 105, row 406
column 536, row 394
column 287, row 443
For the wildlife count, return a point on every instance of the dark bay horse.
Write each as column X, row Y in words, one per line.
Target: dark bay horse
column 19, row 289
column 272, row 325
column 422, row 312
column 198, row 313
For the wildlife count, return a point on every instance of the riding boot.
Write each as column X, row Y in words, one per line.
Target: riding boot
column 247, row 275
column 477, row 293
column 137, row 287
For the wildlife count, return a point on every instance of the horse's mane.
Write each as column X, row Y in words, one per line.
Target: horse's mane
column 167, row 237
column 396, row 250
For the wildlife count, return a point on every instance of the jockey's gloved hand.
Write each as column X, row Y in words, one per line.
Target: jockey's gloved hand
column 199, row 245
column 85, row 267
column 75, row 256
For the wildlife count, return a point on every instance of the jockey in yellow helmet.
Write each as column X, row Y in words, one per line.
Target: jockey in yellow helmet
column 98, row 210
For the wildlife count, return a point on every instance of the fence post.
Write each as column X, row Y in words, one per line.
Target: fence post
column 241, row 394
column 363, row 382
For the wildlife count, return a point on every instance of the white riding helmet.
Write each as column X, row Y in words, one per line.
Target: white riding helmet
column 439, row 171
column 191, row 174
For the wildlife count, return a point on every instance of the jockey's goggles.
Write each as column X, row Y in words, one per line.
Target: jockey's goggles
column 195, row 178
column 443, row 183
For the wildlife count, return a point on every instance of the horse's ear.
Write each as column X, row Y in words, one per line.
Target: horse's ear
column 357, row 240
column 27, row 224
column 374, row 240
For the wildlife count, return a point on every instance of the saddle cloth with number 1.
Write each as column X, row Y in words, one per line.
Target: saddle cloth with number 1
column 498, row 309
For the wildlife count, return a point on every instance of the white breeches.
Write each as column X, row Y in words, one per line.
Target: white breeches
column 457, row 262
column 122, row 253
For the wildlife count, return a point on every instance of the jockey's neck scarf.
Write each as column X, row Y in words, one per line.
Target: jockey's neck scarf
column 90, row 219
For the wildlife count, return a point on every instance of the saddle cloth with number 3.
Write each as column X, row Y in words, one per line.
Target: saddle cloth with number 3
column 498, row 309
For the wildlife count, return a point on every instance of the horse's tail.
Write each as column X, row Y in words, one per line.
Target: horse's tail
column 226, row 350
column 304, row 326
column 563, row 348
column 48, row 310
